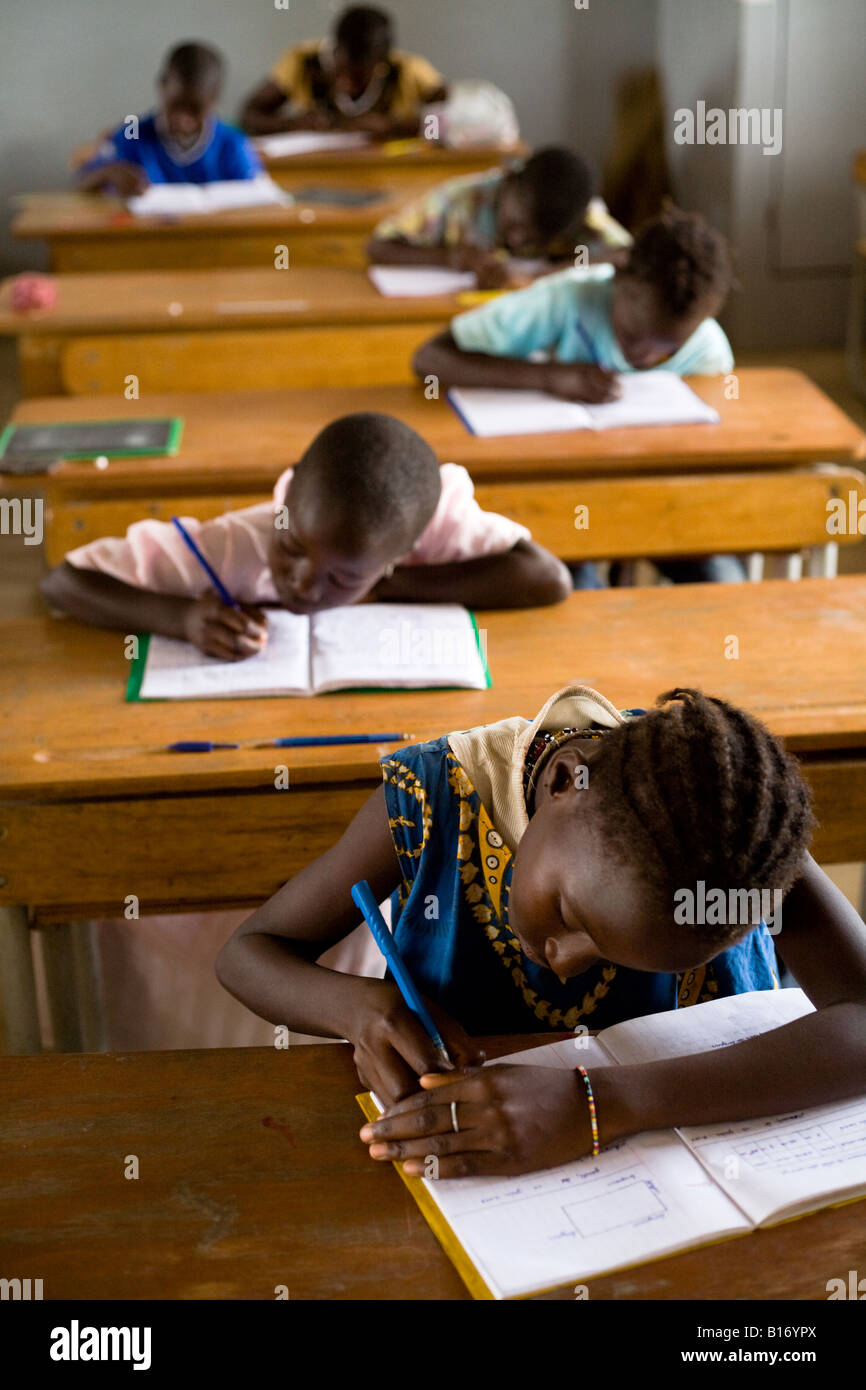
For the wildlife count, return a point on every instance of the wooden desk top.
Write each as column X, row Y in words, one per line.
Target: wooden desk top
column 243, row 440
column 252, row 1175
column 57, row 216
column 184, row 300
column 802, row 668
column 400, row 154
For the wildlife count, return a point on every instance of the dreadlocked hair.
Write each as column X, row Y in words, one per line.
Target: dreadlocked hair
column 684, row 258
column 699, row 789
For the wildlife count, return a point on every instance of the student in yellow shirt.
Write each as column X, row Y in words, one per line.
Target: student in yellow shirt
column 355, row 81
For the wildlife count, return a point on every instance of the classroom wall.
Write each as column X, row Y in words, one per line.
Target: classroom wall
column 790, row 216
column 72, row 67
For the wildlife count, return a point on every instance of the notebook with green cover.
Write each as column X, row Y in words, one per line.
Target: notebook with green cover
column 366, row 646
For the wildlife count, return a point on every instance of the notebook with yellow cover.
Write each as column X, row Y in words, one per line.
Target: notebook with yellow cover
column 652, row 1194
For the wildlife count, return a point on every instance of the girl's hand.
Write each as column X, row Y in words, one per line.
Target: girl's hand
column 581, row 381
column 512, row 1119
column 392, row 1048
column 224, row 632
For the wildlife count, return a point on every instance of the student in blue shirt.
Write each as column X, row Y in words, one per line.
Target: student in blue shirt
column 182, row 141
column 570, row 333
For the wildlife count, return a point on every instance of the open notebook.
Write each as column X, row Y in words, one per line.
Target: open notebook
column 398, row 645
column 183, row 199
column 656, row 1193
column 648, row 398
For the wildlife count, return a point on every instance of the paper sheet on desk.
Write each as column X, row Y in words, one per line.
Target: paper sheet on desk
column 419, row 281
column 310, row 142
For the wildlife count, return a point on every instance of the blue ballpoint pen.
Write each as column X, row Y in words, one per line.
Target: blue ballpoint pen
column 587, row 342
column 209, row 571
column 363, row 898
column 328, row 740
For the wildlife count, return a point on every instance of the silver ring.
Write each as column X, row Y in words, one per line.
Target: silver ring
column 454, row 1125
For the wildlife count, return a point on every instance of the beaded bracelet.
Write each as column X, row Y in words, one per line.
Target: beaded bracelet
column 593, row 1118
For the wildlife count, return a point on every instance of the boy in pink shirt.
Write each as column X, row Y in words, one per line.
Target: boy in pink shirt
column 367, row 513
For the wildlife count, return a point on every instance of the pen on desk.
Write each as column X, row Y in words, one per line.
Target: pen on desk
column 209, row 571
column 331, row 740
column 189, row 745
column 363, row 898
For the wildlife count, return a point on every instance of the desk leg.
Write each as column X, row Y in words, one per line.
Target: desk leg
column 69, row 957
column 19, row 1019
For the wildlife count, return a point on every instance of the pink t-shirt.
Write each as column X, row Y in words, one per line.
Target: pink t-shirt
column 153, row 555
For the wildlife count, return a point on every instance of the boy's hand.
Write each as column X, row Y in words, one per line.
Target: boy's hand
column 220, row 631
column 392, row 1048
column 581, row 381
column 512, row 1119
column 127, row 179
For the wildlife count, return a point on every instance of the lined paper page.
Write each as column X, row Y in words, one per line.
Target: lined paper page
column 681, row 1032
column 419, row 281
column 490, row 413
column 179, row 671
column 652, row 398
column 406, row 645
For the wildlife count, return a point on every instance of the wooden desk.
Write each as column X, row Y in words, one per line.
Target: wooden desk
column 82, row 830
column 91, row 232
column 253, row 1176
column 206, row 330
column 400, row 160
column 235, row 444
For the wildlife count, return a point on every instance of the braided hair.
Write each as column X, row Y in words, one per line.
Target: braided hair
column 704, row 791
column 683, row 258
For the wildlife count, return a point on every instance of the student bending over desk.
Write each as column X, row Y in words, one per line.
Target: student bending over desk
column 357, row 81
column 542, row 208
column 569, row 334
column 183, row 141
column 367, row 513
column 554, row 853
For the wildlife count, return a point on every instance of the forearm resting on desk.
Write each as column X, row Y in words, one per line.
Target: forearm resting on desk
column 102, row 601
column 525, row 576
column 442, row 358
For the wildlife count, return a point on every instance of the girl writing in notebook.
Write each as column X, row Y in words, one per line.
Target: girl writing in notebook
column 367, row 513
column 569, row 334
column 541, row 874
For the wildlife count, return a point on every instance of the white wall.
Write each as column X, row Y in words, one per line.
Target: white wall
column 70, row 68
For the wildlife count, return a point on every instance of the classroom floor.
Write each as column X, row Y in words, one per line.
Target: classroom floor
column 21, row 568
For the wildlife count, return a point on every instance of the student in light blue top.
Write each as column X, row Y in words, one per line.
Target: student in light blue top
column 182, row 141
column 570, row 333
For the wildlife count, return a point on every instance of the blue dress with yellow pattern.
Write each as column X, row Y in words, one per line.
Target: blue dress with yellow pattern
column 450, row 920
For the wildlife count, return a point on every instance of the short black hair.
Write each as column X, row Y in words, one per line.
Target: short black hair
column 378, row 474
column 197, row 67
column 364, row 32
column 699, row 789
column 684, row 258
column 559, row 185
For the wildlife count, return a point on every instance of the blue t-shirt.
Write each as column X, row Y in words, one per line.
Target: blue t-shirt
column 221, row 153
column 544, row 319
